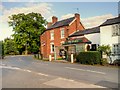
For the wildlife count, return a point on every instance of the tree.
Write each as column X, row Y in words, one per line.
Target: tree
column 1, row 50
column 10, row 47
column 105, row 49
column 27, row 30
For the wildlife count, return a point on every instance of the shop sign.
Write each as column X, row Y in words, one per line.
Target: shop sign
column 73, row 42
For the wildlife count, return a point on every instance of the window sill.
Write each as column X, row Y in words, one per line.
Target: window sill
column 51, row 52
column 62, row 37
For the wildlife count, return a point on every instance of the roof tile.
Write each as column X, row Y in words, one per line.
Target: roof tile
column 86, row 31
column 61, row 23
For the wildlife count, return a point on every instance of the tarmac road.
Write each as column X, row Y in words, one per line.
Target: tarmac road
column 26, row 72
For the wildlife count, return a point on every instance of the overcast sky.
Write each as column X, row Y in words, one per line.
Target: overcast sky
column 92, row 13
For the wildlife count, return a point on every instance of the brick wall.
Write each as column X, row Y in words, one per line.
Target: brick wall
column 45, row 37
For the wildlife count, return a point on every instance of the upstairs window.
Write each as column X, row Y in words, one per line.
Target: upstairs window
column 116, row 49
column 116, row 30
column 52, row 35
column 62, row 33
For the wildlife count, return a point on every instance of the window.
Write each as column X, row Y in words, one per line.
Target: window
column 62, row 33
column 52, row 35
column 116, row 30
column 116, row 49
column 52, row 47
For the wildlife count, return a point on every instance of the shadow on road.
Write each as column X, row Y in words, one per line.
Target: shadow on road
column 112, row 85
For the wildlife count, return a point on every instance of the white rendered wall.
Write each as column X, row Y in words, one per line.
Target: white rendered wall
column 106, row 38
column 94, row 38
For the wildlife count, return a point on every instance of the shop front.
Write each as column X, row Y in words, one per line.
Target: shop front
column 74, row 46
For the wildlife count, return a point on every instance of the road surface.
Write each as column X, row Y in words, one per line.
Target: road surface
column 26, row 72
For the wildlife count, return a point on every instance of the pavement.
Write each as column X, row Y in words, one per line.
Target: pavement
column 26, row 72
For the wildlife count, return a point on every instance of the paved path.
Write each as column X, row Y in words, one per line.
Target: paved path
column 25, row 72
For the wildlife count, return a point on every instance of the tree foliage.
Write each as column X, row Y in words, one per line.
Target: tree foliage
column 105, row 49
column 27, row 30
column 1, row 49
column 10, row 47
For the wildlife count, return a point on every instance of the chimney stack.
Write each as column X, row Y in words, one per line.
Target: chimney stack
column 54, row 19
column 77, row 16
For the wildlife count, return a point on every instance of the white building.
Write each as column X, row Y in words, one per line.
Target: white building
column 107, row 33
column 110, row 35
column 89, row 39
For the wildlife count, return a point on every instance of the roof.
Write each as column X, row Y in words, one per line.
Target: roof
column 86, row 31
column 77, row 40
column 64, row 22
column 111, row 21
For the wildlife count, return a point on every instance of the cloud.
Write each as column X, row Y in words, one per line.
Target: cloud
column 1, row 7
column 91, row 21
column 66, row 16
column 43, row 8
column 95, row 21
column 5, row 31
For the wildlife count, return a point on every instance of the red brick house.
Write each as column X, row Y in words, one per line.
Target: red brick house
column 57, row 33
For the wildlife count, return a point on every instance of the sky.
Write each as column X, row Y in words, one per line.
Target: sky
column 91, row 13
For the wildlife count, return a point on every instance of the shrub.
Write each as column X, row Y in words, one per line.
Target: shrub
column 104, row 61
column 60, row 58
column 90, row 57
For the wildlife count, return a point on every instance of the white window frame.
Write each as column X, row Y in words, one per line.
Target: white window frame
column 52, row 49
column 52, row 35
column 62, row 32
column 116, row 49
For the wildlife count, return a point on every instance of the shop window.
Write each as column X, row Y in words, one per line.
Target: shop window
column 93, row 47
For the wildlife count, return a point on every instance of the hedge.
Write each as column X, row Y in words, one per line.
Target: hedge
column 90, row 57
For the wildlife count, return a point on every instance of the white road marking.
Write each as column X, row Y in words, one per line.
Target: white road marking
column 86, row 70
column 66, row 83
column 42, row 74
column 66, row 79
column 26, row 70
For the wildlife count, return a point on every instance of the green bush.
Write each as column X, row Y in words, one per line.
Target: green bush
column 90, row 57
column 60, row 58
column 104, row 61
